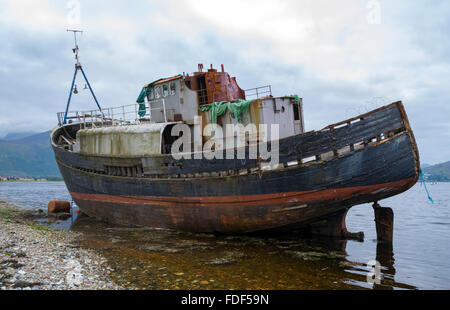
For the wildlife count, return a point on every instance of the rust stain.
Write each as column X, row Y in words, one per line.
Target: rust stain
column 247, row 200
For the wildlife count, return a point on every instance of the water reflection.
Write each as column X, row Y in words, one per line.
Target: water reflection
column 167, row 259
column 385, row 255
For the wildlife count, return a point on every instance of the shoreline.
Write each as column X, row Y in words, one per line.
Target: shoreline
column 24, row 181
column 34, row 256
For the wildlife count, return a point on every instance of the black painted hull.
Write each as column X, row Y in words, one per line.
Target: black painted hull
column 197, row 196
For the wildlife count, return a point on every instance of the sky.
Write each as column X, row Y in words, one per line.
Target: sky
column 343, row 58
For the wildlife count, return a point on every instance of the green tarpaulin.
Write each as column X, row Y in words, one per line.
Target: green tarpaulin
column 295, row 97
column 141, row 100
column 142, row 95
column 237, row 107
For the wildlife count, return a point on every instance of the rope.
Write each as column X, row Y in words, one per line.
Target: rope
column 422, row 179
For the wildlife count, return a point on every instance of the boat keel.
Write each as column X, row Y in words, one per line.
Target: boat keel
column 334, row 226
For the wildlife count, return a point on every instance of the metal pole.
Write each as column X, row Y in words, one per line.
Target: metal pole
column 136, row 113
column 150, row 110
column 70, row 95
column 164, row 106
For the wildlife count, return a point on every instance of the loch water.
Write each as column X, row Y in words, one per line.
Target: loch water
column 166, row 259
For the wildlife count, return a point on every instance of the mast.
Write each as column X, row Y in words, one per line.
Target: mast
column 78, row 67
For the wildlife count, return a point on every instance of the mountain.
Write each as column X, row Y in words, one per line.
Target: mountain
column 30, row 156
column 438, row 173
column 17, row 135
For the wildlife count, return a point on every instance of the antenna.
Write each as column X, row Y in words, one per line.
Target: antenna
column 78, row 67
column 76, row 49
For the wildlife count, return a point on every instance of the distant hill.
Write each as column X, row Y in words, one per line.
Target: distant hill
column 438, row 173
column 17, row 135
column 30, row 156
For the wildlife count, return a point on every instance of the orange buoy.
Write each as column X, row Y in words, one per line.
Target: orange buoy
column 58, row 206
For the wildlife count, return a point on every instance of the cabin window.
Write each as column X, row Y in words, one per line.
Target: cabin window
column 172, row 89
column 151, row 94
column 157, row 92
column 165, row 90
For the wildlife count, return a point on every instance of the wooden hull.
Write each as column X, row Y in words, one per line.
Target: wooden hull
column 236, row 196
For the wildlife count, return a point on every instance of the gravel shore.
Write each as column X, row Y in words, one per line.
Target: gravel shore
column 37, row 257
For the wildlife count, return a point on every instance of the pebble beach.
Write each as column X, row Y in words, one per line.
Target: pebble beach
column 38, row 257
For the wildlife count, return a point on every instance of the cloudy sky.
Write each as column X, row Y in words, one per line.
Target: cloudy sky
column 343, row 57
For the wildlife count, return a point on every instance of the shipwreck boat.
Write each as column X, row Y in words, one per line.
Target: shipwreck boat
column 117, row 162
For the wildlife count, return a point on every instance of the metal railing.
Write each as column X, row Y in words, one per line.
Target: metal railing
column 129, row 114
column 258, row 91
column 121, row 115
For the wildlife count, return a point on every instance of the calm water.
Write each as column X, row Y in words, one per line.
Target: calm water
column 34, row 195
column 164, row 259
